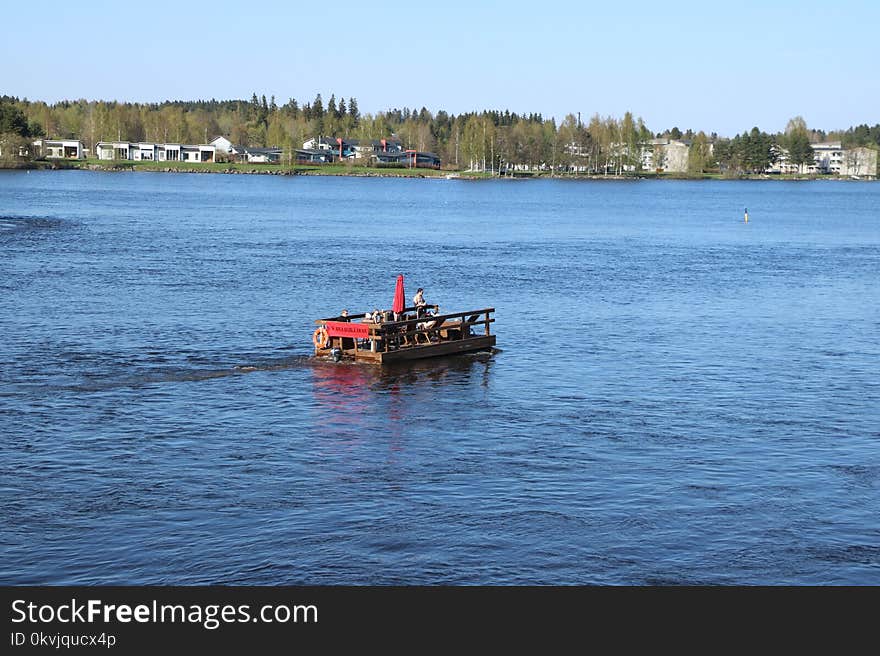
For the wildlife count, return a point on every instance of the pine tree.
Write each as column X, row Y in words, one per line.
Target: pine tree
column 331, row 107
column 800, row 151
column 13, row 121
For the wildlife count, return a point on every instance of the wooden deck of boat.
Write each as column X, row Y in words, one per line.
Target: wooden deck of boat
column 410, row 338
column 420, row 351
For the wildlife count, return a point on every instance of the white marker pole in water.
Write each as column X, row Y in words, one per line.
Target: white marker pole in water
column 747, row 215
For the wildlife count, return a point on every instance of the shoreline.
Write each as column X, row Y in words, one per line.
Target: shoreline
column 372, row 172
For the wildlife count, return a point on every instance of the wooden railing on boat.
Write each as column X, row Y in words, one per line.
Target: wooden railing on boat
column 410, row 331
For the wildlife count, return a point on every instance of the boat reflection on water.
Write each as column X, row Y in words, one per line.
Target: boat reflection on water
column 353, row 400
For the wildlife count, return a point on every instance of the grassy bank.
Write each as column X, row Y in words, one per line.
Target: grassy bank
column 230, row 167
column 367, row 171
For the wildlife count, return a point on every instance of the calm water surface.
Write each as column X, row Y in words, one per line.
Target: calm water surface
column 679, row 398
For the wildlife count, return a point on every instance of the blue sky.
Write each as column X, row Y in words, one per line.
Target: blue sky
column 709, row 66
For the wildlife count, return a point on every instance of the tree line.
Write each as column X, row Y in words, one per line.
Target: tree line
column 485, row 140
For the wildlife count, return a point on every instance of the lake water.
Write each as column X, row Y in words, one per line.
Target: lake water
column 679, row 396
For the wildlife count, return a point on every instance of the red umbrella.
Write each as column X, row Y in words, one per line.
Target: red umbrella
column 399, row 297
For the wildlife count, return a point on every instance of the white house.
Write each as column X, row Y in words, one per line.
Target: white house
column 143, row 152
column 169, row 152
column 828, row 157
column 59, row 148
column 112, row 149
column 222, row 145
column 782, row 164
column 670, row 155
column 197, row 153
column 321, row 143
column 154, row 152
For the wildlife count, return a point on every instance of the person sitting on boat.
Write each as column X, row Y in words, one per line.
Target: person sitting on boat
column 426, row 319
column 421, row 327
column 428, row 327
column 420, row 302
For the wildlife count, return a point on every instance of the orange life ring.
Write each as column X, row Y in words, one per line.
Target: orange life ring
column 320, row 338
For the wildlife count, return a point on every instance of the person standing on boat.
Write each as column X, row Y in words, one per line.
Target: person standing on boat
column 419, row 302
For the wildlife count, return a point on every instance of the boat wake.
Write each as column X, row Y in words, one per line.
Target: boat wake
column 11, row 224
column 134, row 378
column 112, row 373
column 196, row 375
